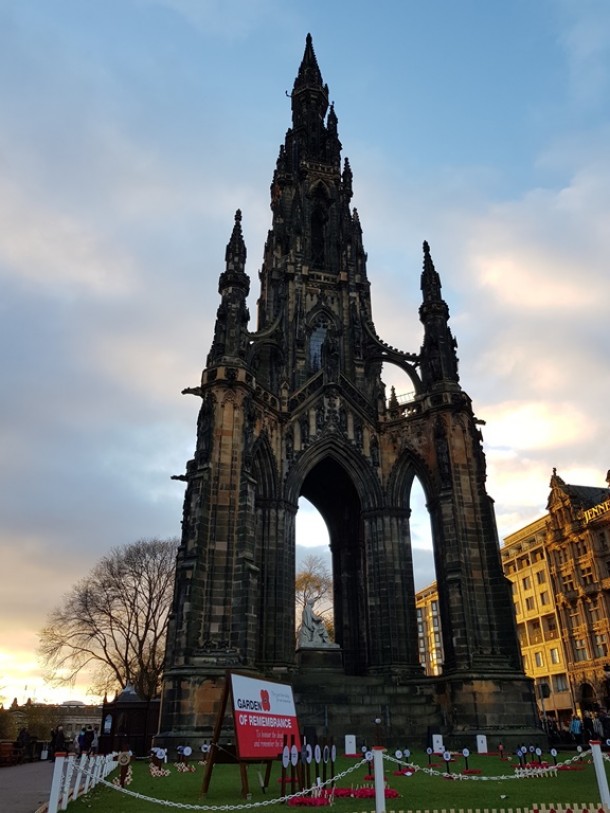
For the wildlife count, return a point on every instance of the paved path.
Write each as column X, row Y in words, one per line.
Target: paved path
column 24, row 788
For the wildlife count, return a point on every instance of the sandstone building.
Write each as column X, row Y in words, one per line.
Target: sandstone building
column 559, row 567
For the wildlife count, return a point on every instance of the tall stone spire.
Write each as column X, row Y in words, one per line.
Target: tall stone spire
column 235, row 259
column 439, row 363
column 311, row 137
column 232, row 317
column 308, row 92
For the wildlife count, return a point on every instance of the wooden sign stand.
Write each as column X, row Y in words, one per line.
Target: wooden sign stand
column 214, row 748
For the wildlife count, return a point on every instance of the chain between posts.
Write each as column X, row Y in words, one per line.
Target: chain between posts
column 523, row 773
column 246, row 806
column 520, row 773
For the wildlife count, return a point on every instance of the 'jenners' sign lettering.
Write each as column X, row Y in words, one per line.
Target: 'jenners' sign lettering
column 592, row 513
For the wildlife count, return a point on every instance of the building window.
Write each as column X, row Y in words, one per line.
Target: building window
column 601, row 646
column 586, row 574
column 517, row 608
column 560, row 683
column 540, row 576
column 554, row 653
column 580, row 649
column 551, row 627
column 594, row 611
column 574, row 618
column 316, row 341
column 434, row 606
column 526, row 582
column 530, row 603
column 544, row 597
column 581, row 547
column 567, row 581
column 539, row 658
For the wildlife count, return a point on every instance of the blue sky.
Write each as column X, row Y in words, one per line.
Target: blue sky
column 130, row 133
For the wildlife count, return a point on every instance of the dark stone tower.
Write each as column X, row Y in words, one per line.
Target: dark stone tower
column 297, row 407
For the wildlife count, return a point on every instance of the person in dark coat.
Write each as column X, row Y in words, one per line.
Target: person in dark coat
column 88, row 740
column 59, row 744
column 81, row 742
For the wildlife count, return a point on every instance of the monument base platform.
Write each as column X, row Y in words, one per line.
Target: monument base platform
column 408, row 710
column 320, row 658
column 395, row 709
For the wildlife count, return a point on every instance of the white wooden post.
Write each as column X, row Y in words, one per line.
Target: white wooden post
column 600, row 772
column 89, row 780
column 79, row 775
column 58, row 773
column 378, row 752
column 109, row 764
column 67, row 781
column 95, row 768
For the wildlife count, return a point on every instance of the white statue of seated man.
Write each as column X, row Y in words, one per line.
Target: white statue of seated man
column 313, row 629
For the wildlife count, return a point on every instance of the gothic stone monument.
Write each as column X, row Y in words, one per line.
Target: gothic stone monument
column 297, row 407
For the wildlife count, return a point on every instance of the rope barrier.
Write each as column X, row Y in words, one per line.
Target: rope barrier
column 520, row 773
column 247, row 806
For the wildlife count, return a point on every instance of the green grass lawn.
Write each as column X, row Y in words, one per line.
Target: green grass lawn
column 417, row 792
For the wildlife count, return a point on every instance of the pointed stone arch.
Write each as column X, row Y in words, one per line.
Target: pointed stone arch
column 406, row 468
column 340, row 483
column 343, row 451
column 264, row 468
column 266, row 358
column 321, row 323
column 321, row 200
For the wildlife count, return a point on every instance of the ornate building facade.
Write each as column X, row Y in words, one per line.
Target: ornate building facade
column 578, row 540
column 559, row 567
column 526, row 563
column 296, row 407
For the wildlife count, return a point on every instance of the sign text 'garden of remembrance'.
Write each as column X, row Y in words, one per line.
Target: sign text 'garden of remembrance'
column 264, row 713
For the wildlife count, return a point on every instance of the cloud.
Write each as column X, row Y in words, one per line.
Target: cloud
column 52, row 251
column 545, row 252
column 586, row 39
column 528, row 425
column 311, row 530
column 229, row 19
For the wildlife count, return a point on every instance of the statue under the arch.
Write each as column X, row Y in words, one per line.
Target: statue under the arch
column 296, row 407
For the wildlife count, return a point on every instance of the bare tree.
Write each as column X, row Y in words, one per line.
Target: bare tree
column 314, row 582
column 112, row 625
